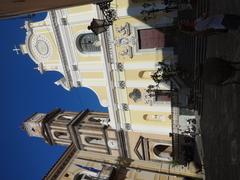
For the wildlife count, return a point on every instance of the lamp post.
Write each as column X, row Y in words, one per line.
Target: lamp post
column 98, row 26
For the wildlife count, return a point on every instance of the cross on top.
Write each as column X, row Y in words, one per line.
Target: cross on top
column 15, row 49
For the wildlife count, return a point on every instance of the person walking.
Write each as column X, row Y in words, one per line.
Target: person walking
column 211, row 24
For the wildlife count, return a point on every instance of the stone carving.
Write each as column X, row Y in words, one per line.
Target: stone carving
column 41, row 47
column 124, row 30
column 135, row 95
column 125, row 107
column 122, row 84
column 126, row 40
column 127, row 52
column 120, row 67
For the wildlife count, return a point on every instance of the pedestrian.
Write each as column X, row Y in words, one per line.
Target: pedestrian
column 206, row 25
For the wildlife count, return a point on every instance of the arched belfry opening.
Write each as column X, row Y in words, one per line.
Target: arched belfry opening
column 88, row 131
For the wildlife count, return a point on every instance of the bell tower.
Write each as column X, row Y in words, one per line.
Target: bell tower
column 88, row 131
column 33, row 125
column 52, row 126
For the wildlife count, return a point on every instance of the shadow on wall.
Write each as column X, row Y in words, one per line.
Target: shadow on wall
column 158, row 25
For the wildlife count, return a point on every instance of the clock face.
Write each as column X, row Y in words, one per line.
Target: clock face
column 41, row 47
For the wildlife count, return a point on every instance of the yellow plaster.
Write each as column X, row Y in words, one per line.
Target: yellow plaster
column 101, row 93
column 138, row 75
column 92, row 75
column 134, row 136
column 80, row 9
column 140, row 56
column 76, row 29
column 85, row 58
column 137, row 118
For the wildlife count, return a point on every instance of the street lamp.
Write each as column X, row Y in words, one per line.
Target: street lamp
column 98, row 26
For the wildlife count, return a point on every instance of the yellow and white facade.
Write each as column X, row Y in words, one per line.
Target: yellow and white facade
column 117, row 65
column 52, row 44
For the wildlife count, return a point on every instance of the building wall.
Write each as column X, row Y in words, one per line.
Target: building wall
column 138, row 65
column 72, row 169
column 51, row 43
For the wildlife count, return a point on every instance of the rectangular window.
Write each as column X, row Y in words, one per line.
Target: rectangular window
column 155, row 38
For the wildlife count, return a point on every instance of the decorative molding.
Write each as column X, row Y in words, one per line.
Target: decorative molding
column 124, row 30
column 135, row 95
column 41, row 47
column 128, row 51
column 122, row 84
column 125, row 106
column 120, row 67
column 128, row 126
column 126, row 41
column 123, row 41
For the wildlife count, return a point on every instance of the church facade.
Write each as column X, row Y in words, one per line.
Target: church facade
column 118, row 65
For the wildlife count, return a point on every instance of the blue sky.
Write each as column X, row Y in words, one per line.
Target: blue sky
column 23, row 92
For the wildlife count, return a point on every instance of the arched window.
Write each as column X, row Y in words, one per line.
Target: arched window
column 163, row 151
column 60, row 135
column 88, row 43
column 95, row 140
column 65, row 117
column 82, row 177
column 94, row 120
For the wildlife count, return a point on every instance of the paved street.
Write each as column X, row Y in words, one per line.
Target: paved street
column 221, row 105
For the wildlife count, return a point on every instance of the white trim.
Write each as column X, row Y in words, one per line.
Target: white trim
column 97, row 67
column 149, row 65
column 167, row 50
column 109, row 87
column 42, row 28
column 93, row 82
column 151, row 129
column 68, row 46
column 112, row 109
column 166, row 108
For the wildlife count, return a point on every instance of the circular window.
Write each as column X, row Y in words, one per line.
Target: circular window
column 88, row 42
column 42, row 47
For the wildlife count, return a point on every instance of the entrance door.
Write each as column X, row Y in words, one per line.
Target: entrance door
column 155, row 38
